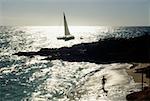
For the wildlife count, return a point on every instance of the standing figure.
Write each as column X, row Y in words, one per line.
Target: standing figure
column 103, row 84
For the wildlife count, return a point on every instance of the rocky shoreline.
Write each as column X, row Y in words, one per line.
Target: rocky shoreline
column 110, row 50
column 143, row 95
column 140, row 96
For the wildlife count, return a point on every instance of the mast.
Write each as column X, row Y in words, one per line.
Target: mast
column 66, row 26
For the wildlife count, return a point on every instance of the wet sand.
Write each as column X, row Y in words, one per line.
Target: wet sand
column 138, row 76
column 143, row 95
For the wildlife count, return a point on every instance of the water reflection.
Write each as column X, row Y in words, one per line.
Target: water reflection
column 23, row 78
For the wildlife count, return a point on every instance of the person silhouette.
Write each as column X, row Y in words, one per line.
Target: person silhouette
column 103, row 84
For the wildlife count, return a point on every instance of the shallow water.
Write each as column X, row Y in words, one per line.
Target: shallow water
column 25, row 78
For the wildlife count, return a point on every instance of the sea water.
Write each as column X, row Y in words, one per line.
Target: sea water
column 33, row 79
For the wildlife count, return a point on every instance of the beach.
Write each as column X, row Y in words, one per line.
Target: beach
column 138, row 76
column 144, row 94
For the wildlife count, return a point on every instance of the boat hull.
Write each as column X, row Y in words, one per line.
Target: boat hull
column 66, row 38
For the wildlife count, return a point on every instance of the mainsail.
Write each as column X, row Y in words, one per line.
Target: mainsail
column 67, row 36
column 66, row 26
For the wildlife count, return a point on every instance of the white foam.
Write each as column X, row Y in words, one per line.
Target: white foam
column 82, row 80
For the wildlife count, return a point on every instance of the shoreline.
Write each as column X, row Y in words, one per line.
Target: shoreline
column 110, row 50
column 143, row 95
column 137, row 77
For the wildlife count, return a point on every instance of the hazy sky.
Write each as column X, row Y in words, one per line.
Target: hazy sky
column 78, row 12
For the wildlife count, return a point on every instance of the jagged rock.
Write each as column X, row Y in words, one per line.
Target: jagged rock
column 105, row 51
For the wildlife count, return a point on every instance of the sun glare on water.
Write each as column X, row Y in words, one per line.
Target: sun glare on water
column 47, row 35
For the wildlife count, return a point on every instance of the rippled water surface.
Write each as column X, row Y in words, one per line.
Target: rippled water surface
column 34, row 79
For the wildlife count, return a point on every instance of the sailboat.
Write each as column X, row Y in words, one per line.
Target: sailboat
column 67, row 36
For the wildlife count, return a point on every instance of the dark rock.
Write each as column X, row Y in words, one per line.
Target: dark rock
column 105, row 51
column 139, row 96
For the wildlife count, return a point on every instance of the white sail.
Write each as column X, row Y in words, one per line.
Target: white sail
column 67, row 36
column 66, row 26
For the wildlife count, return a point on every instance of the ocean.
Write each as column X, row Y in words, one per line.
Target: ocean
column 34, row 79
